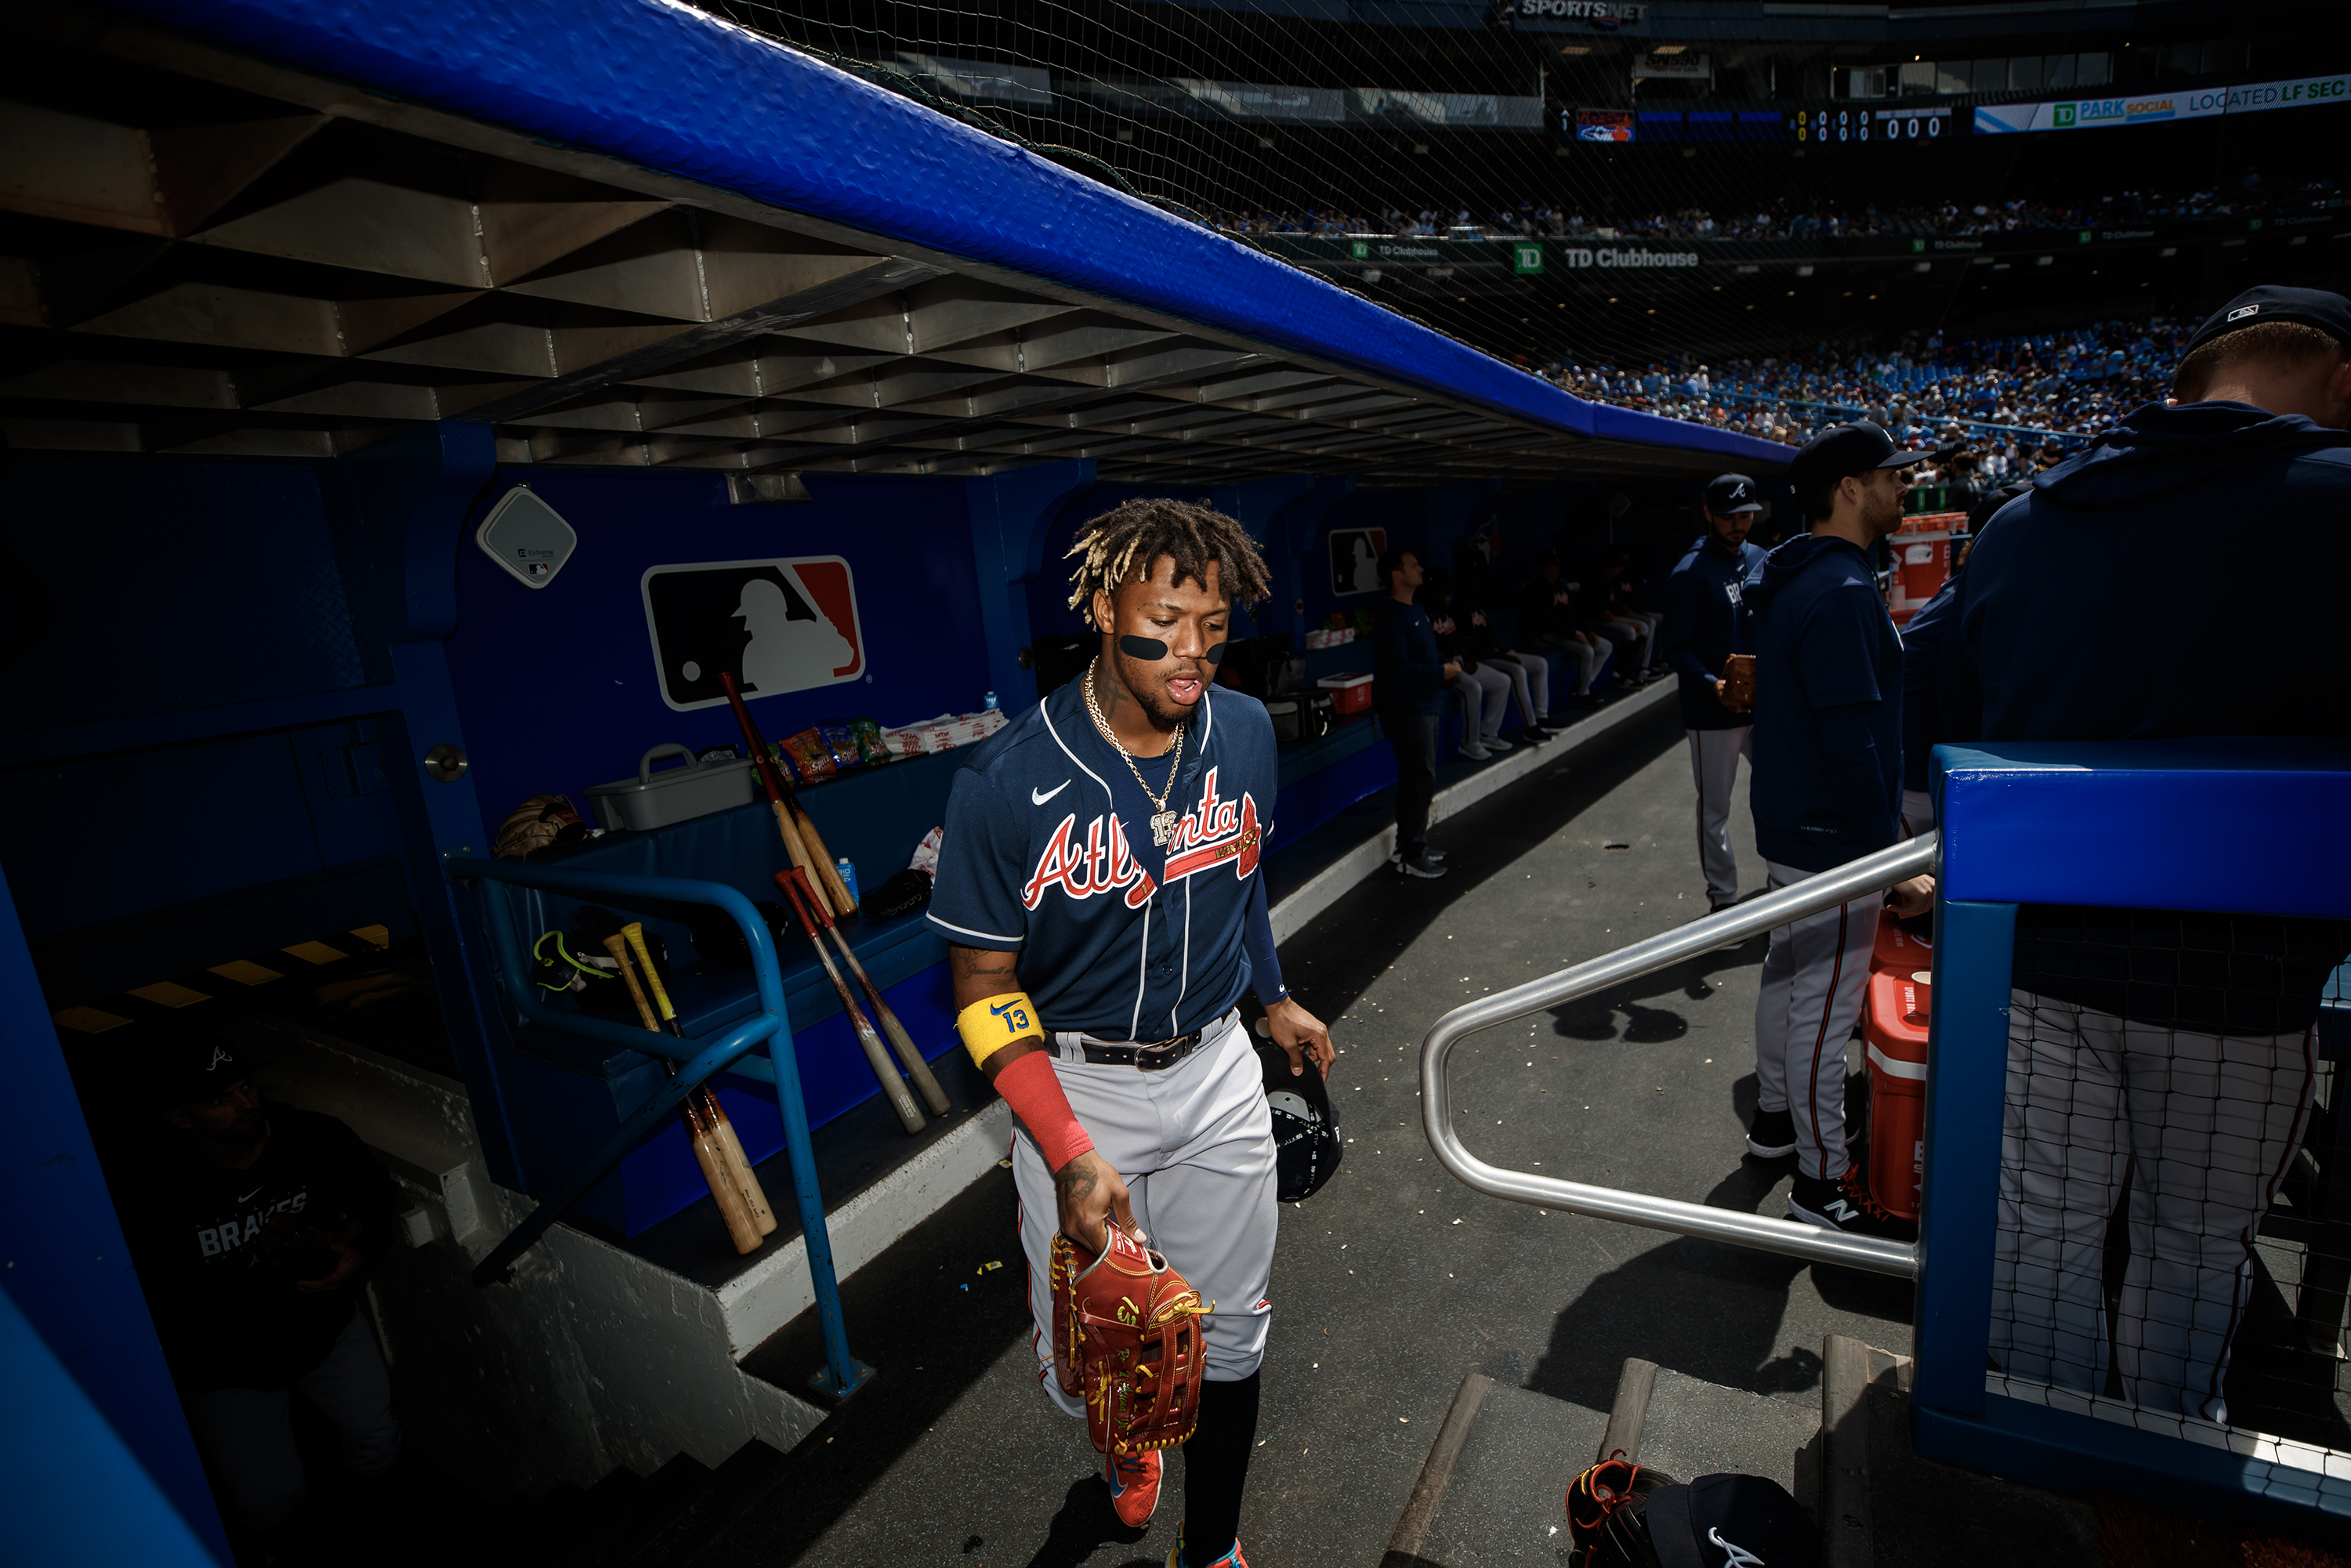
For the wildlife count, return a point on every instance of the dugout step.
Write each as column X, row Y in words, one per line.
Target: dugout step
column 1884, row 1506
column 1494, row 1486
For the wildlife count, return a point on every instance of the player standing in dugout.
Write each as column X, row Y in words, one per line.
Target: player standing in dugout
column 1099, row 890
column 1706, row 621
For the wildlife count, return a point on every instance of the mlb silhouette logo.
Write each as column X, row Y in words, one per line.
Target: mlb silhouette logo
column 785, row 625
column 1356, row 559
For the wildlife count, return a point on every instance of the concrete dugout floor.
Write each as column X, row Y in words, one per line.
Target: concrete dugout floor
column 1392, row 1281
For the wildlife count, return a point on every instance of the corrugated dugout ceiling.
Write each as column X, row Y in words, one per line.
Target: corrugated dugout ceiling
column 205, row 255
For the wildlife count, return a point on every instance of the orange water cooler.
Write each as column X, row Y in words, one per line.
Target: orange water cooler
column 1922, row 560
column 1897, row 949
column 1894, row 1028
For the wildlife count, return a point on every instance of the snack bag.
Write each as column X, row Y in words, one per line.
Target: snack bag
column 841, row 742
column 810, row 757
column 870, row 745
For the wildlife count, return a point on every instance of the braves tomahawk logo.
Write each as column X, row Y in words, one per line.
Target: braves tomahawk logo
column 1097, row 860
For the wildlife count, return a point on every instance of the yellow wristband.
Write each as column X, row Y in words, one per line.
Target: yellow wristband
column 988, row 1026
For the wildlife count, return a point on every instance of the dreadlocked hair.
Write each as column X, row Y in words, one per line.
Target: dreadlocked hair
column 1121, row 544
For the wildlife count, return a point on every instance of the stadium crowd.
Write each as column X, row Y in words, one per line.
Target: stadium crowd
column 1813, row 218
column 2016, row 393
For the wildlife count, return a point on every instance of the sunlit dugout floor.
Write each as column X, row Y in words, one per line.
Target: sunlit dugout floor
column 1391, row 1283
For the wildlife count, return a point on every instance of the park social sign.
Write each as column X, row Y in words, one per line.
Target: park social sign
column 2148, row 108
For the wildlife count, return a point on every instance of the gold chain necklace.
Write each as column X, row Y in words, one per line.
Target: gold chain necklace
column 1163, row 820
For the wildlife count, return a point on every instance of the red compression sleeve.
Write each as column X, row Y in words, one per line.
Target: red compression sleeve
column 1034, row 1091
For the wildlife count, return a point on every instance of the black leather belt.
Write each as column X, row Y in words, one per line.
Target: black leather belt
column 1146, row 1056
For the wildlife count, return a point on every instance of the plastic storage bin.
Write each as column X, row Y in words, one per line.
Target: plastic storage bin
column 657, row 800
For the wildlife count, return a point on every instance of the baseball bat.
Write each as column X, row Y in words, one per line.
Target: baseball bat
column 802, row 841
column 909, row 1114
column 708, row 1152
column 706, row 1104
column 820, row 859
column 794, row 849
column 900, row 1041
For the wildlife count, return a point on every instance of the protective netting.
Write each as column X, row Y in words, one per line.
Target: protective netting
column 1295, row 131
column 2174, row 1240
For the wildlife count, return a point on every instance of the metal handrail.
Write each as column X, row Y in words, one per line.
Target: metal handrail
column 704, row 1059
column 1826, row 891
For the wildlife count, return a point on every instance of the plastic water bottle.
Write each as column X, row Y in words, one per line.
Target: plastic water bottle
column 989, row 701
column 847, row 871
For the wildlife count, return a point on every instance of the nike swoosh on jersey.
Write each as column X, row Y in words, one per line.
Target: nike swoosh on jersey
column 248, row 1196
column 1038, row 797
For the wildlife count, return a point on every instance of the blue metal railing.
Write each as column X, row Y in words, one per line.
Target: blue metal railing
column 703, row 1059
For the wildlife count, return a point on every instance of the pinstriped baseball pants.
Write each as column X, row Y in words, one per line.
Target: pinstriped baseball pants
column 1815, row 977
column 2203, row 1127
column 1714, row 769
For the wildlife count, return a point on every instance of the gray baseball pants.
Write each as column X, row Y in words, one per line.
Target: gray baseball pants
column 2203, row 1126
column 1194, row 1144
column 1585, row 658
column 1714, row 767
column 247, row 1433
column 1529, row 677
column 1485, row 692
column 1815, row 977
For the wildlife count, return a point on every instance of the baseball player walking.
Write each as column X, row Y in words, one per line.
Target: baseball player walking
column 1706, row 621
column 1099, row 889
column 1828, row 778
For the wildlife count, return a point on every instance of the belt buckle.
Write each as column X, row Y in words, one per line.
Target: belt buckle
column 1161, row 1055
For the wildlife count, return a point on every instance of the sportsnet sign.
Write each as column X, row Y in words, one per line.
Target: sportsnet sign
column 2149, row 109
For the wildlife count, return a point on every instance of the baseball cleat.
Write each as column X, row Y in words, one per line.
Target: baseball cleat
column 1232, row 1558
column 1773, row 1136
column 1134, row 1482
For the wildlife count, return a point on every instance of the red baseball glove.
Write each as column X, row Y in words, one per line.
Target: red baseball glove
column 1126, row 1336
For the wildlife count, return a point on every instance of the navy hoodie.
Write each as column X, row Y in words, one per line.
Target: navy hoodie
column 1706, row 621
column 1407, row 671
column 1828, row 706
column 2069, row 623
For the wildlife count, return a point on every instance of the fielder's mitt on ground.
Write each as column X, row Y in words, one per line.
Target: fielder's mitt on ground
column 1126, row 1336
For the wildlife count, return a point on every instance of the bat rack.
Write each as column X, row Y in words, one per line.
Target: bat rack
column 735, row 1050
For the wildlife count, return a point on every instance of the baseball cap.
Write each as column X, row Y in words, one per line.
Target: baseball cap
column 199, row 1069
column 1719, row 1521
column 2330, row 313
column 1733, row 493
column 1843, row 449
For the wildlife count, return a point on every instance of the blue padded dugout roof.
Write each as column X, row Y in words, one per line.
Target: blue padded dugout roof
column 674, row 90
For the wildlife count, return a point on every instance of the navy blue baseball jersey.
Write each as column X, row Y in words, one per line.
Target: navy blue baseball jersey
column 1049, row 852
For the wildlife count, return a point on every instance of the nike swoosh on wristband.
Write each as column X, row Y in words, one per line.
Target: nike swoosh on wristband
column 1038, row 797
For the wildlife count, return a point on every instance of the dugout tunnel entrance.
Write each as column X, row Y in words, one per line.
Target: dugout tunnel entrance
column 2024, row 825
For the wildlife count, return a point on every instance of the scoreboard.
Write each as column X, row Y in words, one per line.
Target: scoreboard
column 1863, row 124
column 1852, row 124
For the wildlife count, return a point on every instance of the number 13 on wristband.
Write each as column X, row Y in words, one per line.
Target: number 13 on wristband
column 990, row 1024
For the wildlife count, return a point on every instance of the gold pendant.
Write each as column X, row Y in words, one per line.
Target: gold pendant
column 1162, row 828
